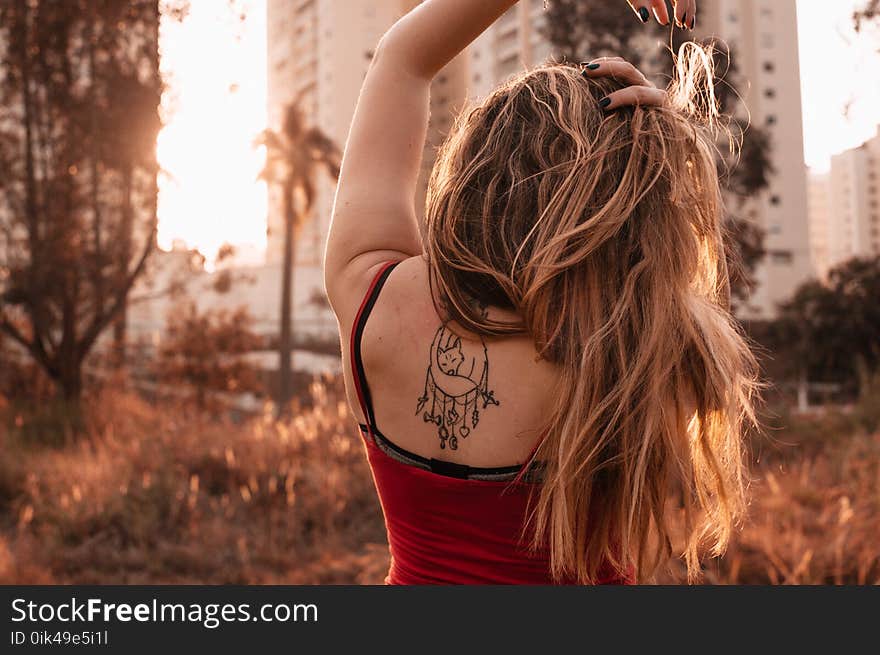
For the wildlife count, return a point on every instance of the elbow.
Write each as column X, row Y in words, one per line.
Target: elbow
column 394, row 52
column 388, row 50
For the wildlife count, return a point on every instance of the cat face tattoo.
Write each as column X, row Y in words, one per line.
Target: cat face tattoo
column 456, row 384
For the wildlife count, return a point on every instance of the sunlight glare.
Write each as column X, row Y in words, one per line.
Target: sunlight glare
column 214, row 106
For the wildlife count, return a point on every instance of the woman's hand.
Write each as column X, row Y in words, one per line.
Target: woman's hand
column 640, row 92
column 684, row 13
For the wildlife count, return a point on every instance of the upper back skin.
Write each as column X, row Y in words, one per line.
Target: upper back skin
column 413, row 362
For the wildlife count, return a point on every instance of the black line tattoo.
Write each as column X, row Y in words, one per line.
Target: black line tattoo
column 456, row 383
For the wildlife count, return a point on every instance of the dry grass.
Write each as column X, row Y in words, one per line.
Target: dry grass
column 172, row 496
column 814, row 517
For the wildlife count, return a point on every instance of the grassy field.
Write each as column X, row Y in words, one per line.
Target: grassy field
column 170, row 495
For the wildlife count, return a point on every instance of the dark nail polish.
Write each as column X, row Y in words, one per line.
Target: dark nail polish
column 643, row 14
column 604, row 102
column 683, row 22
column 592, row 67
column 693, row 22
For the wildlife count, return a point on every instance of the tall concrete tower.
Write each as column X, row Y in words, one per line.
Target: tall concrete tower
column 763, row 35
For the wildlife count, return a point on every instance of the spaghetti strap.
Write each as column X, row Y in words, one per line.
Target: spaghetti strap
column 357, row 332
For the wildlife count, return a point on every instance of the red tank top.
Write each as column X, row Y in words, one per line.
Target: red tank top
column 447, row 523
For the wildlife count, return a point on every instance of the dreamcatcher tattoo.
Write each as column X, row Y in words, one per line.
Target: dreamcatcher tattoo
column 456, row 386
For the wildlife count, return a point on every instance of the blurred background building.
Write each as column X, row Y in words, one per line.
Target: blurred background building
column 818, row 201
column 852, row 222
column 318, row 54
column 763, row 36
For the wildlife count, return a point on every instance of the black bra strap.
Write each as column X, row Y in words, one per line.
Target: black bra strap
column 441, row 467
column 358, row 363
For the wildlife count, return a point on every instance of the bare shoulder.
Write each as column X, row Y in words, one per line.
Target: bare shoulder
column 442, row 391
column 404, row 312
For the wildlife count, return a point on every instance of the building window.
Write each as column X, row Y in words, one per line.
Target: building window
column 508, row 66
column 769, row 66
column 770, row 93
column 782, row 257
column 507, row 40
column 775, row 200
column 771, row 119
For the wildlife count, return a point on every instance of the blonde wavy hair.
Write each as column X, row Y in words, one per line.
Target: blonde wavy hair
column 604, row 232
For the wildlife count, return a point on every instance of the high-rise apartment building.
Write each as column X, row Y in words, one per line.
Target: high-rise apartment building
column 763, row 36
column 514, row 43
column 819, row 212
column 319, row 51
column 854, row 203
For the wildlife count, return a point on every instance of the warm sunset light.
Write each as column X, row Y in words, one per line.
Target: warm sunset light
column 214, row 106
column 543, row 327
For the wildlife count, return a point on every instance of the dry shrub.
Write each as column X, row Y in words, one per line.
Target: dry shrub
column 814, row 515
column 171, row 495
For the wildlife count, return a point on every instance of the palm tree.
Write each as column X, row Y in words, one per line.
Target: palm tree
column 294, row 156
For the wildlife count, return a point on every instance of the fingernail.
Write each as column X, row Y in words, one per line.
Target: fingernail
column 643, row 14
column 604, row 102
column 693, row 22
column 592, row 67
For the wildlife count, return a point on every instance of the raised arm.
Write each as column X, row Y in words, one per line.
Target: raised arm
column 374, row 217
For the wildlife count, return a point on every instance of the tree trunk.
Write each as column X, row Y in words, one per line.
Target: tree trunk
column 67, row 404
column 285, row 345
column 70, row 381
column 120, row 325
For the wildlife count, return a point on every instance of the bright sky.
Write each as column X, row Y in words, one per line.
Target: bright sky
column 216, row 105
column 213, row 109
column 840, row 79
